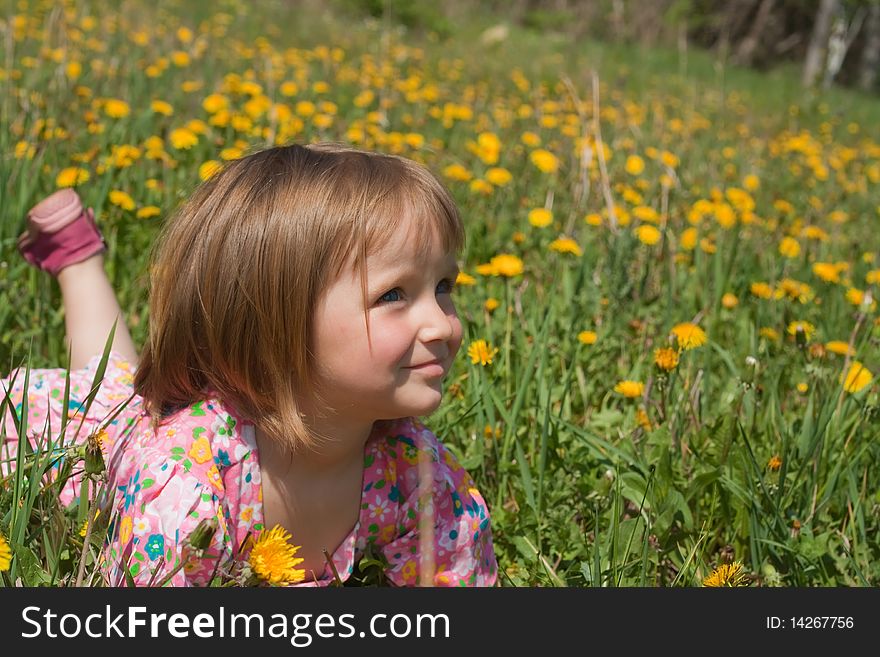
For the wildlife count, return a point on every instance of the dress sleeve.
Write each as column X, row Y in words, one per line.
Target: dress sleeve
column 160, row 502
column 461, row 541
column 45, row 402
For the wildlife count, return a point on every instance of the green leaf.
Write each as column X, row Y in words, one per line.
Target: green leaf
column 606, row 419
column 632, row 487
column 528, row 550
column 30, row 569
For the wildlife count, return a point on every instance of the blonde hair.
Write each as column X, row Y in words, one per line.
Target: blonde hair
column 237, row 273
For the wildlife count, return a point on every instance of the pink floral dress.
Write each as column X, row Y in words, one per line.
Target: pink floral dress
column 203, row 462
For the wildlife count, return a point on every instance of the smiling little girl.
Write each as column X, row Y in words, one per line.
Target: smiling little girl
column 301, row 321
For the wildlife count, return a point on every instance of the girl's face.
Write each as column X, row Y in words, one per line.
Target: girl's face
column 412, row 322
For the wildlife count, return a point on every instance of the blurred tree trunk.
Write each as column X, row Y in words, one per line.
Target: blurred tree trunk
column 843, row 34
column 871, row 49
column 618, row 22
column 815, row 61
column 745, row 52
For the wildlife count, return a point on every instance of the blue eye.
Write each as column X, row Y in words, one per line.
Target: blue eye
column 395, row 290
column 450, row 283
column 446, row 281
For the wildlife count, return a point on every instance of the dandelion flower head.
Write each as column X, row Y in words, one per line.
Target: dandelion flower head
column 727, row 574
column 273, row 558
column 689, row 336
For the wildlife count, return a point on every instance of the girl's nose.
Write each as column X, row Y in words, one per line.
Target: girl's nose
column 437, row 320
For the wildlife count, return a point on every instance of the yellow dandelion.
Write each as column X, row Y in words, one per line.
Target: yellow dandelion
column 840, row 347
column 465, row 279
column 769, row 333
column 197, row 126
column 122, row 200
column 643, row 419
column 799, row 326
column 499, row 176
column 802, row 387
column 630, row 389
column 544, row 160
column 272, row 558
column 148, row 211
column 457, row 172
column 669, row 159
column 587, row 337
column 305, row 108
column 727, row 574
column 71, row 176
column 289, row 88
column 231, row 153
column 491, row 304
column 689, row 336
column 519, row 237
column 856, row 378
column 162, row 107
column 815, row 233
column 774, row 463
column 209, row 168
column 827, row 271
column 789, row 247
column 689, row 239
column 646, row 213
column 73, row 70
column 180, row 58
column 648, row 234
column 858, row 297
column 634, row 165
column 540, row 217
column 725, row 216
column 761, row 290
column 5, row 554
column 593, row 219
column 751, row 182
column 530, row 139
column 480, row 186
column 632, row 196
column 839, row 216
column 363, row 99
column 24, row 150
column 116, row 109
column 215, row 102
column 729, row 300
column 481, row 352
column 666, row 358
column 188, row 86
column 183, row 138
column 566, row 245
column 740, row 199
column 322, row 121
column 505, row 265
column 794, row 290
column 85, row 526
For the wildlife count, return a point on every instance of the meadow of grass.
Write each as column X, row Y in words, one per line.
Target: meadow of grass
column 668, row 286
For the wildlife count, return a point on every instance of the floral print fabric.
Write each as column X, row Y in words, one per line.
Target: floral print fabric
column 203, row 463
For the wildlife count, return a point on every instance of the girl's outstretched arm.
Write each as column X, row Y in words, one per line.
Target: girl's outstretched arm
column 90, row 308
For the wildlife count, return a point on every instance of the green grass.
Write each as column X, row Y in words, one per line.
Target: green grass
column 580, row 493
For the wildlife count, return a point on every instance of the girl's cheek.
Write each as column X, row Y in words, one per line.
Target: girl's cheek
column 457, row 337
